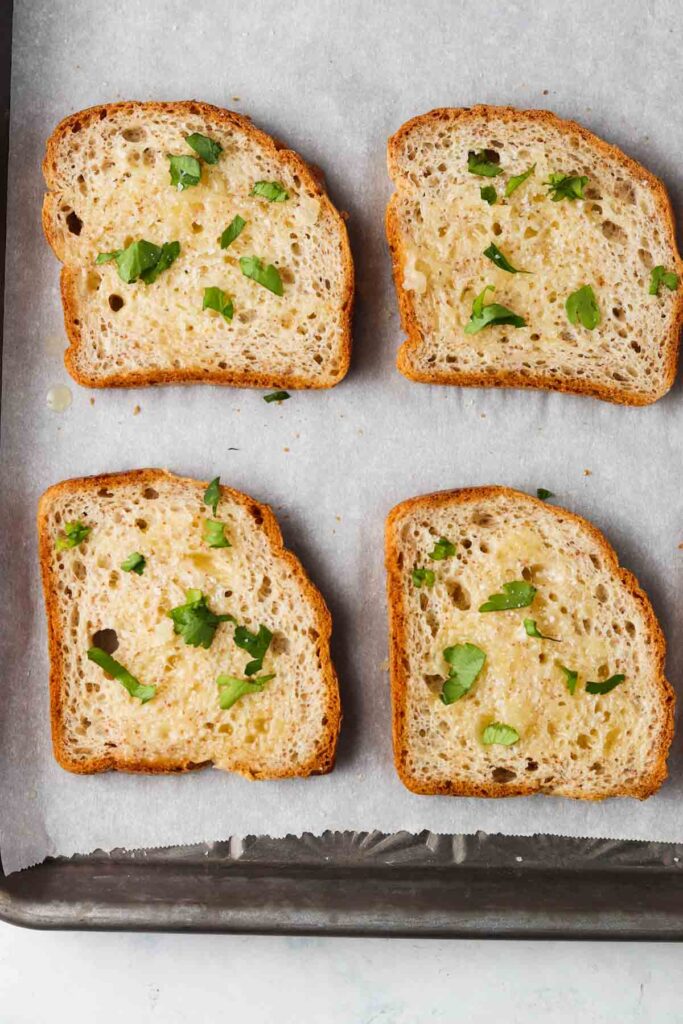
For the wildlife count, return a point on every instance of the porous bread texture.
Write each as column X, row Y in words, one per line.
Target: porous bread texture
column 107, row 171
column 438, row 227
column 290, row 728
column 584, row 746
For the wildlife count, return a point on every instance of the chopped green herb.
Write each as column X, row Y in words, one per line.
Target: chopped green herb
column 134, row 563
column 466, row 662
column 442, row 549
column 544, row 494
column 74, row 534
column 660, row 275
column 518, row 179
column 195, row 621
column 482, row 163
column 485, row 316
column 115, row 669
column 496, row 256
column 570, row 678
column 215, row 298
column 583, row 306
column 605, row 686
column 268, row 276
column 214, row 534
column 255, row 644
column 233, row 230
column 423, row 577
column 273, row 191
column 277, row 396
column 212, row 494
column 488, row 194
column 207, row 149
column 518, row 594
column 532, row 630
column 562, row 186
column 186, row 171
column 142, row 259
column 231, row 688
column 498, row 732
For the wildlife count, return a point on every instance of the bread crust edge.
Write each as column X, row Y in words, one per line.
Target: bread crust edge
column 398, row 616
column 310, row 177
column 512, row 378
column 323, row 761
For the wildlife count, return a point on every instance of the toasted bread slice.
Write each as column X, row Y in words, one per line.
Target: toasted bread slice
column 439, row 225
column 563, row 693
column 108, row 172
column 287, row 720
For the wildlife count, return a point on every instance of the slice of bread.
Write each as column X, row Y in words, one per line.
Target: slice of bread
column 439, row 225
column 288, row 727
column 557, row 736
column 109, row 178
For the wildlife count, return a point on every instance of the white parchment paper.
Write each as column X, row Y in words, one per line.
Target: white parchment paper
column 334, row 80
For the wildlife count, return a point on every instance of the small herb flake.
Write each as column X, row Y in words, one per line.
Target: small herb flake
column 273, row 191
column 195, row 621
column 442, row 549
column 185, row 171
column 74, row 534
column 117, row 671
column 582, row 306
column 134, row 563
column 231, row 688
column 606, row 685
column 531, row 629
column 496, row 256
column 518, row 594
column 544, row 494
column 207, row 149
column 141, row 260
column 518, row 179
column 483, row 164
column 570, row 677
column 499, row 733
column 214, row 534
column 466, row 662
column 563, row 186
column 255, row 644
column 661, row 276
column 220, row 301
column 212, row 494
column 423, row 577
column 277, row 396
column 486, row 316
column 233, row 231
column 489, row 194
column 268, row 276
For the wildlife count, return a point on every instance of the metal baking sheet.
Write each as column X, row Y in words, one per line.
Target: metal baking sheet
column 370, row 883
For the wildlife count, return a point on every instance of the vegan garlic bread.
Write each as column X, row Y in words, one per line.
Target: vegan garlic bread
column 181, row 632
column 527, row 252
column 523, row 658
column 195, row 248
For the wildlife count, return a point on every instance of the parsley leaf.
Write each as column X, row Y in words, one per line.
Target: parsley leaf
column 207, row 149
column 214, row 534
column 142, row 259
column 466, row 662
column 74, row 534
column 185, row 171
column 562, row 186
column 570, row 677
column 269, row 276
column 277, row 396
column 442, row 549
column 482, row 163
column 518, row 179
column 114, row 668
column 195, row 621
column 532, row 629
column 583, row 306
column 422, row 577
column 498, row 732
column 488, row 194
column 518, row 594
column 273, row 191
column 170, row 251
column 255, row 644
column 496, row 256
column 605, row 686
column 212, row 494
column 215, row 298
column 231, row 688
column 660, row 275
column 484, row 316
column 544, row 494
column 233, row 230
column 134, row 563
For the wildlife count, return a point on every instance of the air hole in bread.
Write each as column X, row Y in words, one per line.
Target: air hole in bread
column 106, row 639
column 601, row 593
column 141, row 524
column 197, row 228
column 458, row 595
column 497, row 229
column 93, row 281
column 614, row 232
column 76, row 127
column 116, row 303
column 503, row 775
column 531, row 766
column 104, row 492
column 645, row 257
column 78, row 569
column 74, row 222
column 134, row 134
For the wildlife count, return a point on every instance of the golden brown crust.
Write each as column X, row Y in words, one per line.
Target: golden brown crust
column 311, row 178
column 511, row 378
column 321, row 764
column 399, row 667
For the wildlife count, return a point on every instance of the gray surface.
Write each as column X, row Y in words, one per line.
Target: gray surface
column 333, row 80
